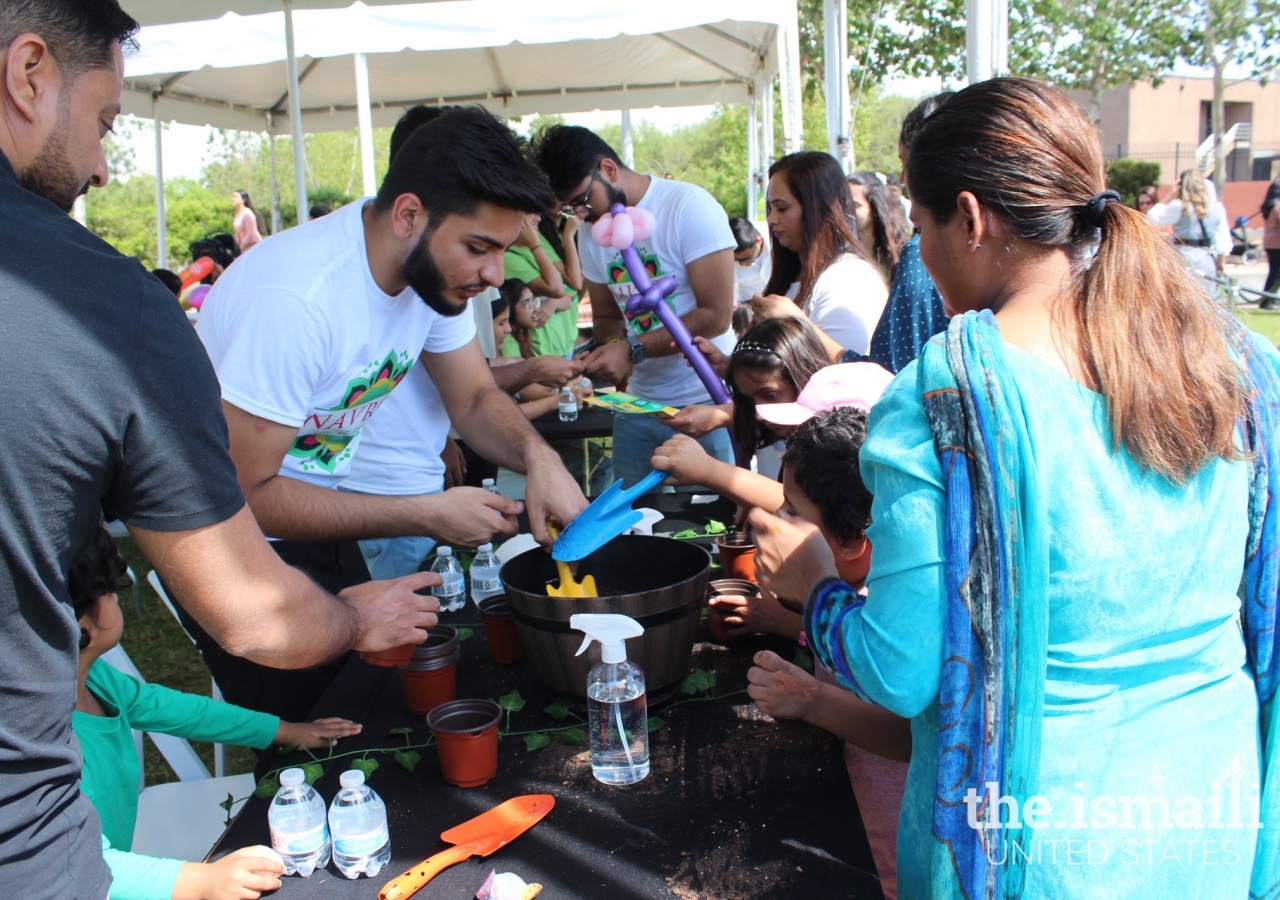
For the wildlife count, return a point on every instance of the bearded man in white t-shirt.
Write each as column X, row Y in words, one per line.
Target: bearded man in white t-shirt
column 692, row 241
column 311, row 332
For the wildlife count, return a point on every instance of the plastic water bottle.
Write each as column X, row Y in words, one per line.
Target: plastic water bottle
column 453, row 593
column 488, row 485
column 299, row 831
column 617, row 705
column 358, row 822
column 484, row 574
column 568, row 405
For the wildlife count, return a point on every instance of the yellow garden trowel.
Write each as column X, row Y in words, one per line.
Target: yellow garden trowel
column 568, row 587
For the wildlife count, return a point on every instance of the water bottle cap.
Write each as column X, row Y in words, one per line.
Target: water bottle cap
column 486, row 548
column 292, row 777
column 352, row 778
column 444, row 551
column 486, row 482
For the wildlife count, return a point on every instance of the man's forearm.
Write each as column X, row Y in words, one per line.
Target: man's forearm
column 292, row 510
column 256, row 606
column 511, row 378
column 495, row 428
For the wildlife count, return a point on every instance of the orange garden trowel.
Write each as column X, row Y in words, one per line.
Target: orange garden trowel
column 568, row 587
column 479, row 837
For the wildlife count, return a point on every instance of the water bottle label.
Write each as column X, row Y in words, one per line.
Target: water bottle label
column 361, row 844
column 448, row 589
column 303, row 842
column 486, row 584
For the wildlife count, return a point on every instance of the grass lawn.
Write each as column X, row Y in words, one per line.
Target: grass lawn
column 1264, row 321
column 165, row 655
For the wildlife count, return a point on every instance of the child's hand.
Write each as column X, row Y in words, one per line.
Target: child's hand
column 320, row 733
column 243, row 875
column 683, row 459
column 760, row 614
column 782, row 689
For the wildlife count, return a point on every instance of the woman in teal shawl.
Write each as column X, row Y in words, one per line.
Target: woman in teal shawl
column 1076, row 557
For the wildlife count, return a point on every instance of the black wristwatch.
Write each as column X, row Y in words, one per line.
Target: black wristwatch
column 638, row 353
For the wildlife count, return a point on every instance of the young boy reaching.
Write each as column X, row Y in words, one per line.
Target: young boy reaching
column 109, row 704
column 821, row 485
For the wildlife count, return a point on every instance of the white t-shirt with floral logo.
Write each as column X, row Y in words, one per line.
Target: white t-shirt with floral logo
column 691, row 225
column 300, row 333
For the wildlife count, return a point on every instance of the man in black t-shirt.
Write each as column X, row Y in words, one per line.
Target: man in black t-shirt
column 112, row 407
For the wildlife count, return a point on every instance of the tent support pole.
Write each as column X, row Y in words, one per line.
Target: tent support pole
column 275, row 181
column 162, row 248
column 986, row 39
column 365, row 117
column 628, row 147
column 295, row 116
column 753, row 155
column 836, row 77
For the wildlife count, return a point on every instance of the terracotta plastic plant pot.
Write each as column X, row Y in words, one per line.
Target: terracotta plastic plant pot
column 505, row 646
column 430, row 677
column 737, row 556
column 425, row 690
column 725, row 587
column 466, row 733
column 396, row 656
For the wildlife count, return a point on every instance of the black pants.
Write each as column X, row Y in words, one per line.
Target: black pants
column 289, row 694
column 1273, row 272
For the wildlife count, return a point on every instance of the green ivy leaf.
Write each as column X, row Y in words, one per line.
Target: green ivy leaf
column 655, row 723
column 403, row 730
column 366, row 765
column 701, row 680
column 267, row 787
column 558, row 710
column 536, row 741
column 512, row 702
column 575, row 736
column 408, row 758
column 803, row 659
column 687, row 533
column 312, row 771
column 465, row 633
column 227, row 804
column 714, row 527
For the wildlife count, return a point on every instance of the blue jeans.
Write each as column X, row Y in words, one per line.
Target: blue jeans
column 394, row 557
column 636, row 437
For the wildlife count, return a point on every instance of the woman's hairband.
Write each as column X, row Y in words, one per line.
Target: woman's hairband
column 753, row 345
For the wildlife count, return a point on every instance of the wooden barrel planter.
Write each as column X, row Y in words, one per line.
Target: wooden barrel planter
column 659, row 582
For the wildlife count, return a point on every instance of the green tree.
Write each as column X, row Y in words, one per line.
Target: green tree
column 124, row 215
column 1128, row 176
column 1222, row 35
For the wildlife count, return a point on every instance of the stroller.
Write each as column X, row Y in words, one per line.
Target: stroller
column 1250, row 253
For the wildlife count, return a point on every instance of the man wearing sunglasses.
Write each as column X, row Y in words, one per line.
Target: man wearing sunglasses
column 692, row 242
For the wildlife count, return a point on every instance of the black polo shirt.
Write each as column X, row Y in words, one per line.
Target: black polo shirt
column 110, row 405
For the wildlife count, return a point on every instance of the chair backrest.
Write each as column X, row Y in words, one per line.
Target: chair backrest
column 178, row 753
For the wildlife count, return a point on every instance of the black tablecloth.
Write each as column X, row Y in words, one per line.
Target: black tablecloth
column 736, row 805
column 592, row 422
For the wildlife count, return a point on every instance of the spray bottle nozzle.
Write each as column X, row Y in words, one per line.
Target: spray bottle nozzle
column 610, row 629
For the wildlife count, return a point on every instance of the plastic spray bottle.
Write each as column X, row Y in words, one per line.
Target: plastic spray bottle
column 617, row 705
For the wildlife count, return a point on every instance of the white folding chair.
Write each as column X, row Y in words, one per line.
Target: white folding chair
column 219, row 750
column 181, row 820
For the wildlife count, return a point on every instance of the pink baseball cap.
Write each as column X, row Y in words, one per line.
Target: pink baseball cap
column 857, row 384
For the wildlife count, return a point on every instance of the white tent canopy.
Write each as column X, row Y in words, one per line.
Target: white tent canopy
column 569, row 57
column 164, row 12
column 361, row 66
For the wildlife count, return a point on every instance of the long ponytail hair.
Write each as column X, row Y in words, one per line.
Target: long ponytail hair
column 817, row 182
column 1148, row 335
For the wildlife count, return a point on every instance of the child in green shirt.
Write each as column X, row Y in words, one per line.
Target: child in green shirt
column 109, row 704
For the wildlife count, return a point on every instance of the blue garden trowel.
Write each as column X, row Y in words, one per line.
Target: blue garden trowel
column 608, row 516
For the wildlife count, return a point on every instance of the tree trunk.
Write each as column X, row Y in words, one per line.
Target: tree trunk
column 1219, row 123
